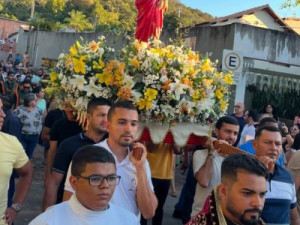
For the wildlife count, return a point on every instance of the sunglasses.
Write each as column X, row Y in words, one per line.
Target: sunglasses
column 26, row 87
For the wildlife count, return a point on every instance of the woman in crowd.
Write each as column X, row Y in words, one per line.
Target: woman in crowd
column 41, row 102
column 270, row 110
column 295, row 147
column 31, row 121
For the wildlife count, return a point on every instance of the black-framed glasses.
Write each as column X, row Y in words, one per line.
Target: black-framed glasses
column 26, row 87
column 97, row 180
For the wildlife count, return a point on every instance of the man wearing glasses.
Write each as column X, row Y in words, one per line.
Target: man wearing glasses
column 25, row 89
column 94, row 180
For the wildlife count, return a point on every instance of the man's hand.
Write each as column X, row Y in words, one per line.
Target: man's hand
column 134, row 161
column 268, row 162
column 10, row 215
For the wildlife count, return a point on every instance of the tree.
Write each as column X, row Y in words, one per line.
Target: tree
column 78, row 21
column 290, row 3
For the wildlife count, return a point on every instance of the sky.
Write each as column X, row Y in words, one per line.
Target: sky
column 219, row 8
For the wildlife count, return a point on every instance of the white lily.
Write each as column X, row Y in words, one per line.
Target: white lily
column 178, row 89
column 78, row 82
column 92, row 89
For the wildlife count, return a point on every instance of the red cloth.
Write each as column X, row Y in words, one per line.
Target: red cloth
column 193, row 139
column 150, row 18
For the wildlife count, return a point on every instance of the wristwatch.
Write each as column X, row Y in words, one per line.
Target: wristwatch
column 16, row 207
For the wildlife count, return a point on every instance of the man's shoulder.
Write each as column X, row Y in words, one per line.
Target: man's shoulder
column 7, row 137
column 201, row 219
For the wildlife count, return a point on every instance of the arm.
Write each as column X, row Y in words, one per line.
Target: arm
column 25, row 178
column 146, row 199
column 204, row 173
column 50, row 158
column 51, row 187
column 294, row 217
column 45, row 134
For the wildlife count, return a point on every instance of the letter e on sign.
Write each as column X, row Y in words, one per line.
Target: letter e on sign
column 232, row 61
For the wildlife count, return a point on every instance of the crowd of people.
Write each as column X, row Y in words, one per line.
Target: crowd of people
column 102, row 174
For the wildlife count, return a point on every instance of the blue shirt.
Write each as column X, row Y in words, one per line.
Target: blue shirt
column 280, row 198
column 247, row 147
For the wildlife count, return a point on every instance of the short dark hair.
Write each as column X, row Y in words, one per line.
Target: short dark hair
column 266, row 120
column 26, row 82
column 120, row 104
column 241, row 163
column 267, row 128
column 253, row 114
column 7, row 102
column 37, row 89
column 96, row 102
column 227, row 119
column 10, row 72
column 29, row 98
column 90, row 154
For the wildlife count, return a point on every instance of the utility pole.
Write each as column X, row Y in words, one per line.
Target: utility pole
column 30, row 21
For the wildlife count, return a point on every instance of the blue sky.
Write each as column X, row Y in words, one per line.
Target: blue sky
column 219, row 8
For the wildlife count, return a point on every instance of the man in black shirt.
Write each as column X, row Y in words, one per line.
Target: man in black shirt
column 96, row 117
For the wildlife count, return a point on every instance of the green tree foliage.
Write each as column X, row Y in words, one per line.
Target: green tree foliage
column 78, row 21
column 105, row 15
column 290, row 3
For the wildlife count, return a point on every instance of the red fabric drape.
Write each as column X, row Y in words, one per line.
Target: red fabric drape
column 150, row 18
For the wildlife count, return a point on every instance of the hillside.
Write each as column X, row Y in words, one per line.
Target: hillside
column 87, row 15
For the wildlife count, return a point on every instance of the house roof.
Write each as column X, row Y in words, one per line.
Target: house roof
column 248, row 12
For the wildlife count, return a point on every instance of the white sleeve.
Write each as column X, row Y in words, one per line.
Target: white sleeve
column 199, row 158
column 68, row 186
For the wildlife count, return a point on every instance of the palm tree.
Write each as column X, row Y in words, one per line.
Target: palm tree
column 78, row 21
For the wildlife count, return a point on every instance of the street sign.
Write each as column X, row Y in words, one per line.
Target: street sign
column 233, row 61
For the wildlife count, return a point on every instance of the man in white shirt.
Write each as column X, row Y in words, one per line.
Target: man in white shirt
column 135, row 191
column 94, row 180
column 207, row 163
column 248, row 133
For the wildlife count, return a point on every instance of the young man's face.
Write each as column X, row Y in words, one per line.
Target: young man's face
column 243, row 201
column 228, row 132
column 98, row 118
column 123, row 126
column 95, row 198
column 268, row 144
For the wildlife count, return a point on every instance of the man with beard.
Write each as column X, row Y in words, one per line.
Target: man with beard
column 207, row 162
column 280, row 206
column 240, row 197
column 135, row 192
column 96, row 117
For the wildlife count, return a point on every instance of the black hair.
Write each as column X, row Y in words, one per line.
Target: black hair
column 96, row 102
column 253, row 114
column 235, row 163
column 7, row 102
column 267, row 128
column 296, row 144
column 37, row 89
column 267, row 120
column 26, row 82
column 227, row 119
column 10, row 72
column 120, row 104
column 90, row 154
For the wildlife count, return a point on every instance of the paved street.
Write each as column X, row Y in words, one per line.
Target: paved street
column 33, row 202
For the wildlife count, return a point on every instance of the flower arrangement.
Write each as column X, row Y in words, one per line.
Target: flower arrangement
column 173, row 84
column 89, row 70
column 167, row 83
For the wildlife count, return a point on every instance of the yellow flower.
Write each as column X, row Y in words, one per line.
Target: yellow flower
column 79, row 65
column 223, row 105
column 187, row 81
column 207, row 82
column 139, row 45
column 94, row 46
column 144, row 103
column 134, row 62
column 105, row 77
column 150, row 94
column 228, row 79
column 206, row 67
column 53, row 76
column 73, row 50
column 99, row 65
column 219, row 94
